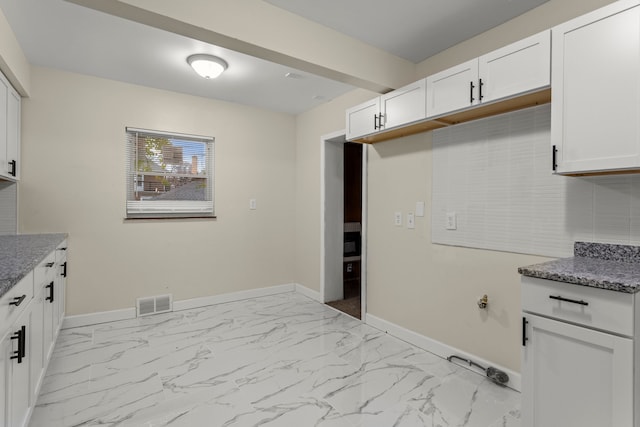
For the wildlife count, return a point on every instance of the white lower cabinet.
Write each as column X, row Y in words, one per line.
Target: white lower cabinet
column 33, row 309
column 577, row 364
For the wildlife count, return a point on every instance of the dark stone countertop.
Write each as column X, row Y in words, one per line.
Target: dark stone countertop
column 21, row 253
column 597, row 265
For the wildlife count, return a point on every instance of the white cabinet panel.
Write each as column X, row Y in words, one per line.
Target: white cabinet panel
column 453, row 89
column 575, row 376
column 363, row 119
column 518, row 68
column 20, row 393
column 13, row 134
column 4, row 93
column 404, row 105
column 596, row 88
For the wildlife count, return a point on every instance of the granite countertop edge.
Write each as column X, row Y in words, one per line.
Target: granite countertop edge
column 608, row 266
column 21, row 253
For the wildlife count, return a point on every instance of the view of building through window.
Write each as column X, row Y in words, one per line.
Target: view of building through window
column 169, row 174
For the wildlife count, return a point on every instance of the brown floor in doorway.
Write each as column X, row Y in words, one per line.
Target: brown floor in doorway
column 351, row 306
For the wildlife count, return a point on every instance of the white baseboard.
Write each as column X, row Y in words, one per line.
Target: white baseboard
column 130, row 313
column 437, row 348
column 309, row 293
column 99, row 317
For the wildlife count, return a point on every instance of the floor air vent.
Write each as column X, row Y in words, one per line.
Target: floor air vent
column 154, row 305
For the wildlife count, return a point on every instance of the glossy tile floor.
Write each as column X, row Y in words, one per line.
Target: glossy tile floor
column 281, row 360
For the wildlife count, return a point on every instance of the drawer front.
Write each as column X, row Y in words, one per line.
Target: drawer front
column 591, row 307
column 21, row 294
column 46, row 270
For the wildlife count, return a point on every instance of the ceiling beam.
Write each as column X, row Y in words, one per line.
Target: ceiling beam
column 256, row 28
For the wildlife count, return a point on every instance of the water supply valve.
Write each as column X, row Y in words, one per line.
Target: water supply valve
column 483, row 302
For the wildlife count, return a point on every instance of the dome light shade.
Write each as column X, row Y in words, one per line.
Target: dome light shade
column 208, row 66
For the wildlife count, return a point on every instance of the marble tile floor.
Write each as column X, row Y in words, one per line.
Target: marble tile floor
column 282, row 360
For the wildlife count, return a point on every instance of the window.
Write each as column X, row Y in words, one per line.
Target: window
column 169, row 175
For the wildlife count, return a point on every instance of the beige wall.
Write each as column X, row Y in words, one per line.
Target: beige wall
column 73, row 180
column 310, row 127
column 13, row 63
column 429, row 289
column 543, row 17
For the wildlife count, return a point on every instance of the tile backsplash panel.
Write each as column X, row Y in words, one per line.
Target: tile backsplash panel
column 495, row 174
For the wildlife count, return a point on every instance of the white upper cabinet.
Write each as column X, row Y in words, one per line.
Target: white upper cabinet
column 396, row 108
column 403, row 106
column 9, row 130
column 453, row 89
column 363, row 119
column 515, row 69
column 520, row 67
column 595, row 110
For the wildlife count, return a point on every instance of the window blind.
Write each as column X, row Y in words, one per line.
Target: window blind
column 169, row 174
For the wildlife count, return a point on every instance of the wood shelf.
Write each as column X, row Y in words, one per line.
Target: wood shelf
column 473, row 113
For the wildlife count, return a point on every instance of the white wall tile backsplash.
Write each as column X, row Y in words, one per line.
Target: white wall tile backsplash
column 495, row 174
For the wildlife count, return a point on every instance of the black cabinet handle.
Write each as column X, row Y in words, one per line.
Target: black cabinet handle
column 480, row 84
column 50, row 287
column 50, row 264
column 12, row 172
column 64, row 269
column 62, row 249
column 573, row 301
column 17, row 300
column 524, row 332
column 375, row 122
column 554, row 154
column 21, row 336
column 380, row 121
column 471, row 87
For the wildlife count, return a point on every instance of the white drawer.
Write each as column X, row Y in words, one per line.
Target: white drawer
column 21, row 294
column 591, row 307
column 46, row 270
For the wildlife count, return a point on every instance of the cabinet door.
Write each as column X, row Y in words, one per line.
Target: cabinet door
column 37, row 352
column 13, row 134
column 18, row 373
column 5, row 348
column 453, row 89
column 4, row 93
column 404, row 105
column 575, row 377
column 596, row 87
column 363, row 119
column 49, row 328
column 518, row 68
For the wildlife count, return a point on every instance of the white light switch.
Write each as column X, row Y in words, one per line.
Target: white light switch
column 397, row 219
column 451, row 221
column 419, row 208
column 411, row 220
column 252, row 204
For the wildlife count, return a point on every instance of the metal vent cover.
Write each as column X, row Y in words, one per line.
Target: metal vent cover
column 153, row 305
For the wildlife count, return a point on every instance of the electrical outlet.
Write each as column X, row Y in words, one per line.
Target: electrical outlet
column 253, row 204
column 411, row 220
column 397, row 219
column 451, row 221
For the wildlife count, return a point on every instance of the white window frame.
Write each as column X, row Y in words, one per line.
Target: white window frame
column 167, row 208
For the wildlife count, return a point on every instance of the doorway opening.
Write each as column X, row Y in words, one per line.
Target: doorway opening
column 343, row 266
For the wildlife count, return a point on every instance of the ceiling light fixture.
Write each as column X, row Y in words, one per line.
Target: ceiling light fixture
column 208, row 66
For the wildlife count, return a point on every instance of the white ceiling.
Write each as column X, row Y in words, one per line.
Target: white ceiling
column 411, row 29
column 63, row 35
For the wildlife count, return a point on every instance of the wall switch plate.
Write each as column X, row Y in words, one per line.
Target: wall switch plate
column 411, row 220
column 397, row 219
column 451, row 221
column 253, row 204
column 419, row 208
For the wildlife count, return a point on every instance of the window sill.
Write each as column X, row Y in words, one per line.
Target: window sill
column 169, row 218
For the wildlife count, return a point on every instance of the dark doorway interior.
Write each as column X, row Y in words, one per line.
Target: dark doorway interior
column 351, row 272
